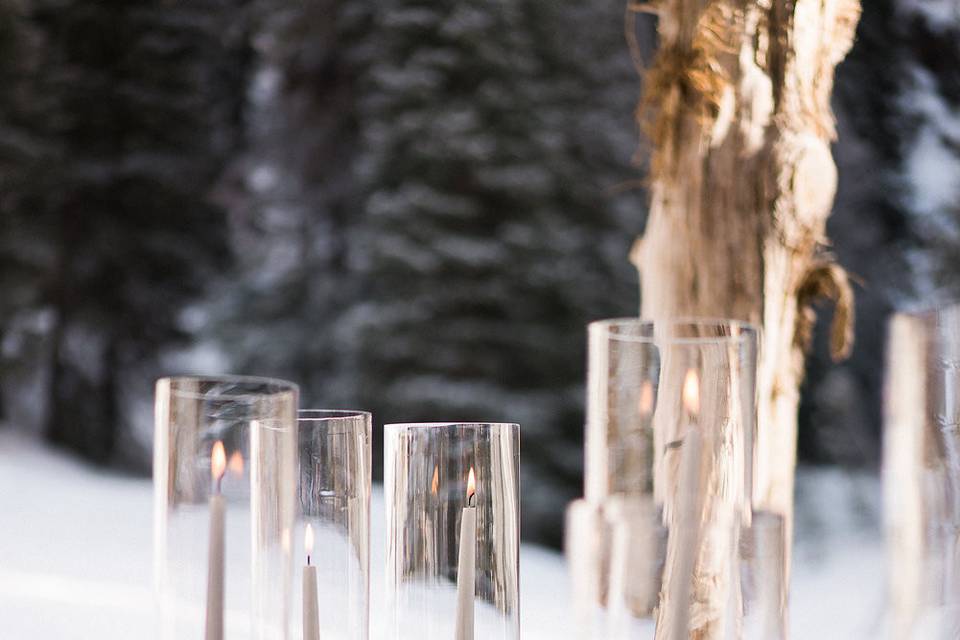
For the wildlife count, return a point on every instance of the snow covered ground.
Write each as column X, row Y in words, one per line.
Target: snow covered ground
column 75, row 555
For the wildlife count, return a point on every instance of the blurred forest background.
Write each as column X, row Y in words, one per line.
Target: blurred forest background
column 407, row 206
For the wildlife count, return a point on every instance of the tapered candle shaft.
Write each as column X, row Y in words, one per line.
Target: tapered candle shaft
column 215, row 570
column 687, row 533
column 215, row 560
column 311, row 617
column 466, row 566
column 683, row 548
column 465, row 573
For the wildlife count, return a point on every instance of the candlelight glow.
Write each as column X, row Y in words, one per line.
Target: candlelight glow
column 471, row 485
column 435, row 483
column 308, row 540
column 691, row 392
column 646, row 398
column 218, row 460
column 236, row 463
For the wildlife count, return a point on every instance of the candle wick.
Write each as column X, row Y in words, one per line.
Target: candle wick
column 472, row 500
column 308, row 559
column 219, row 484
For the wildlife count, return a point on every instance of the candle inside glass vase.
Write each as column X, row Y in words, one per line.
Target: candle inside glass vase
column 224, row 469
column 311, row 617
column 466, row 567
column 687, row 520
column 458, row 483
column 215, row 561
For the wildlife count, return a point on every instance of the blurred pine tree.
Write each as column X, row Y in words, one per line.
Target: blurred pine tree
column 929, row 141
column 132, row 110
column 434, row 201
column 294, row 201
column 494, row 164
column 25, row 250
column 427, row 202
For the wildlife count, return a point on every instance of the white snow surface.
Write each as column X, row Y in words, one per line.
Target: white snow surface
column 76, row 555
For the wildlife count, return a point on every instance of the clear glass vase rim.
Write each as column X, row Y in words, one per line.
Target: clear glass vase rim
column 333, row 422
column 318, row 415
column 929, row 313
column 939, row 324
column 744, row 330
column 271, row 386
column 431, row 425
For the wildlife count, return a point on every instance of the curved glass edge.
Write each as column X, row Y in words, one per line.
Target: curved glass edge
column 309, row 415
column 930, row 312
column 246, row 386
column 335, row 421
column 400, row 426
column 938, row 326
column 646, row 331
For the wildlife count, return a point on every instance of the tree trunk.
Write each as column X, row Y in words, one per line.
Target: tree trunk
column 58, row 423
column 736, row 107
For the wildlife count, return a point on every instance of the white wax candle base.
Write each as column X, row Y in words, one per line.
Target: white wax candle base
column 311, row 618
column 466, row 574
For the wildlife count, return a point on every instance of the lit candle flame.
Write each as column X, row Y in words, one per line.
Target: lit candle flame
column 236, row 463
column 435, row 483
column 218, row 461
column 646, row 398
column 308, row 542
column 285, row 540
column 691, row 392
column 471, row 486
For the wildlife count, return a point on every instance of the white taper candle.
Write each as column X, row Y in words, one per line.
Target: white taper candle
column 688, row 511
column 215, row 560
column 311, row 615
column 466, row 566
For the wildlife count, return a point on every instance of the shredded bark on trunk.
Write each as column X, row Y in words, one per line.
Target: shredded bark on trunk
column 736, row 109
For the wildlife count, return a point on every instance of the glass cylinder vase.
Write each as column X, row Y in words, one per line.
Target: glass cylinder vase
column 333, row 531
column 921, row 474
column 224, row 503
column 453, row 525
column 616, row 552
column 614, row 549
column 671, row 420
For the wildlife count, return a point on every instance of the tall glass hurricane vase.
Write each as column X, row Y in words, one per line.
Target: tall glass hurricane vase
column 921, row 474
column 225, row 502
column 671, row 422
column 453, row 526
column 333, row 532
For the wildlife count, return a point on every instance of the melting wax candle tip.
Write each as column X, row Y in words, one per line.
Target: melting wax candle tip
column 691, row 392
column 471, row 487
column 218, row 462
